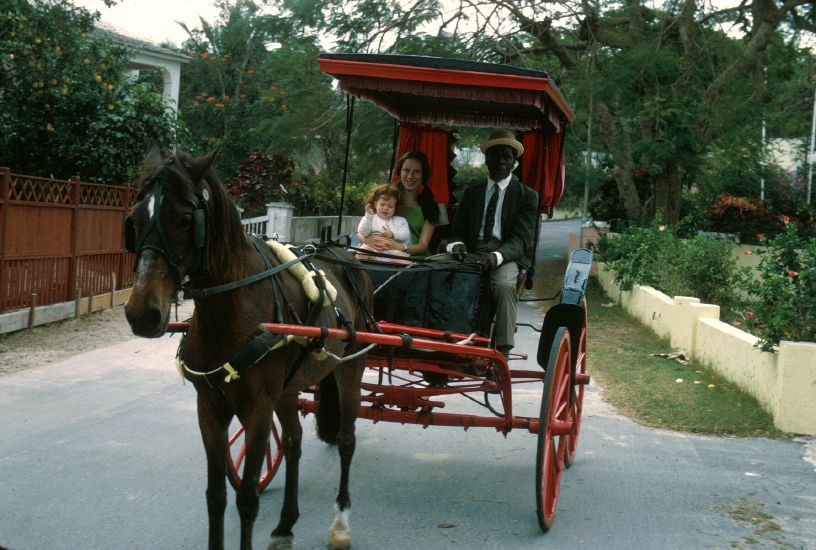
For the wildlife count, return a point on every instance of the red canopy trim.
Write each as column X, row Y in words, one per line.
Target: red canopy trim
column 423, row 103
column 392, row 85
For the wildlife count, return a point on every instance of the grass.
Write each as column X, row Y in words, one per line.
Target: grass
column 646, row 388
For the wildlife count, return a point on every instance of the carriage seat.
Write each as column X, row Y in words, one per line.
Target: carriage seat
column 448, row 296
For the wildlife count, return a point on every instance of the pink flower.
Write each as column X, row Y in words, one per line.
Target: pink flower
column 792, row 273
column 749, row 314
column 786, row 219
column 760, row 236
column 736, row 323
column 747, row 252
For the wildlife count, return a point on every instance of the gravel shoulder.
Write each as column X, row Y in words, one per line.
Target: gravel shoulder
column 46, row 344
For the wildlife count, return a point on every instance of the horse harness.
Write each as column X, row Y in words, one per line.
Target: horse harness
column 258, row 347
column 202, row 227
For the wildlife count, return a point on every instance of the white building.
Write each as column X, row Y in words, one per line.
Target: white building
column 146, row 56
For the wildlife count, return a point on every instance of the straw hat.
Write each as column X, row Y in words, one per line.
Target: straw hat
column 503, row 137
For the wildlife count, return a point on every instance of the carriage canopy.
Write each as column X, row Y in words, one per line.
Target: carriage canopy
column 429, row 94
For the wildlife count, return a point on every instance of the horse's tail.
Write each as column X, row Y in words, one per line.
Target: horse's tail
column 328, row 413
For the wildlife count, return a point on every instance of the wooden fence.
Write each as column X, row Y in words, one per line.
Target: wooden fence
column 60, row 238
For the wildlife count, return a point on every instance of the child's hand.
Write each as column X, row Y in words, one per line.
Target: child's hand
column 387, row 233
column 369, row 210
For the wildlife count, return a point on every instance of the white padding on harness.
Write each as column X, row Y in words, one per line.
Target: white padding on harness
column 306, row 277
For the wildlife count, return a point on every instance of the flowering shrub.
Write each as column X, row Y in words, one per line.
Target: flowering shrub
column 782, row 299
column 743, row 216
column 263, row 179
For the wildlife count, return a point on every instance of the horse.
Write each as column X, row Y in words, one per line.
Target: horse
column 187, row 233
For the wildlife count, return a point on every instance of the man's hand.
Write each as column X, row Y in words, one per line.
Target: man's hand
column 487, row 260
column 459, row 251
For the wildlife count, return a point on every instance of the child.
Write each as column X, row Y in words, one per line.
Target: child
column 379, row 219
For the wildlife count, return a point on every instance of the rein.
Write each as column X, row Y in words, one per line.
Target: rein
column 226, row 287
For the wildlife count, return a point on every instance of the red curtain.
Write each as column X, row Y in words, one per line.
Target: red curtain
column 542, row 166
column 434, row 143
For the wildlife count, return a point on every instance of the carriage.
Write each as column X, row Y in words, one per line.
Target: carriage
column 430, row 351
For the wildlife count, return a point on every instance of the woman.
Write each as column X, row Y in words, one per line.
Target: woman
column 419, row 206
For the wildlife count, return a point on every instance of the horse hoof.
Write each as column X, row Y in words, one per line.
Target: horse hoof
column 280, row 543
column 339, row 540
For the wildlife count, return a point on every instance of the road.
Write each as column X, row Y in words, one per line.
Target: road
column 101, row 451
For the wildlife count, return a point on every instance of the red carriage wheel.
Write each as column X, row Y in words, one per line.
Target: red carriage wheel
column 581, row 380
column 555, row 423
column 237, row 452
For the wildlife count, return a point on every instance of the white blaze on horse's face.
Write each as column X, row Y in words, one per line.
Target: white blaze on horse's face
column 151, row 206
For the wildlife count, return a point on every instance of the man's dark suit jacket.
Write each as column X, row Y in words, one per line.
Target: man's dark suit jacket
column 518, row 221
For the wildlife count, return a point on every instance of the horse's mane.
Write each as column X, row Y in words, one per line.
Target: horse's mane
column 228, row 235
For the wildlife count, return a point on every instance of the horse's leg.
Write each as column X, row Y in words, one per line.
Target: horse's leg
column 291, row 436
column 256, row 438
column 214, row 428
column 348, row 378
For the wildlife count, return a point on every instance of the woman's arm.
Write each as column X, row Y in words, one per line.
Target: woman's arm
column 421, row 246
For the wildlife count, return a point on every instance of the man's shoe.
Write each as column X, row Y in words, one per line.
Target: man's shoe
column 505, row 350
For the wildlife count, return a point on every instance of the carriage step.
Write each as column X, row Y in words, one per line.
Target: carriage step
column 581, row 379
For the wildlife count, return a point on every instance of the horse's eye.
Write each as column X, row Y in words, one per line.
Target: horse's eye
column 186, row 223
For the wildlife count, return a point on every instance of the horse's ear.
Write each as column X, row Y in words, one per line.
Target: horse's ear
column 198, row 167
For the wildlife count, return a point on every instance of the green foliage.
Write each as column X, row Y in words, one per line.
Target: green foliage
column 783, row 295
column 67, row 106
column 322, row 198
column 701, row 266
column 253, row 85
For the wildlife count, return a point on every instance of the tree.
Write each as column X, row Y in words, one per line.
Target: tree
column 253, row 86
column 666, row 85
column 66, row 104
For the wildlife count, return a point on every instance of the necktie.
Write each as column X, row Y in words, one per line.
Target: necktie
column 490, row 215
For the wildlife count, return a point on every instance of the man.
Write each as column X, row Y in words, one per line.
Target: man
column 495, row 227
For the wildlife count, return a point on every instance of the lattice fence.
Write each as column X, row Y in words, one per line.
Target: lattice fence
column 60, row 238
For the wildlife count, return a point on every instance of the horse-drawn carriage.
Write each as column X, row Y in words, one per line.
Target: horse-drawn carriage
column 421, row 356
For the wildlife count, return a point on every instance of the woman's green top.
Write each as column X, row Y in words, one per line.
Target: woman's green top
column 416, row 219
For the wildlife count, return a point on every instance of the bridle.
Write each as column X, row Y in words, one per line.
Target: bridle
column 202, row 228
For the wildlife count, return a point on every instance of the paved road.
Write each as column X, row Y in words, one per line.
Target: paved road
column 102, row 451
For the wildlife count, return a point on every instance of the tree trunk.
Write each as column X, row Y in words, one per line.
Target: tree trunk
column 617, row 142
column 668, row 193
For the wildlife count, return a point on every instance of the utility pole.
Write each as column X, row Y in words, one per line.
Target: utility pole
column 762, row 162
column 812, row 136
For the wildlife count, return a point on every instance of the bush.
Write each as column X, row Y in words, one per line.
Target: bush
column 637, row 254
column 263, row 179
column 702, row 266
column 321, row 197
column 745, row 217
column 783, row 296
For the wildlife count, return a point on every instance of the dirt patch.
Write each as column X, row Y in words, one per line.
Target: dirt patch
column 40, row 346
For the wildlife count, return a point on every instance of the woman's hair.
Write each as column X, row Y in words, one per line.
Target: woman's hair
column 383, row 191
column 425, row 198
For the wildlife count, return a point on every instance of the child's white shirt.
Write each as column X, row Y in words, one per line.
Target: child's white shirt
column 373, row 223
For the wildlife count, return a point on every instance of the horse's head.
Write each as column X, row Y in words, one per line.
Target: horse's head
column 168, row 228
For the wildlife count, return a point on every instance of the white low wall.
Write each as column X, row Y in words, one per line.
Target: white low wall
column 784, row 382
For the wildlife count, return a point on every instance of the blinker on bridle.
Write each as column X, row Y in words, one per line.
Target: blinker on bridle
column 202, row 226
